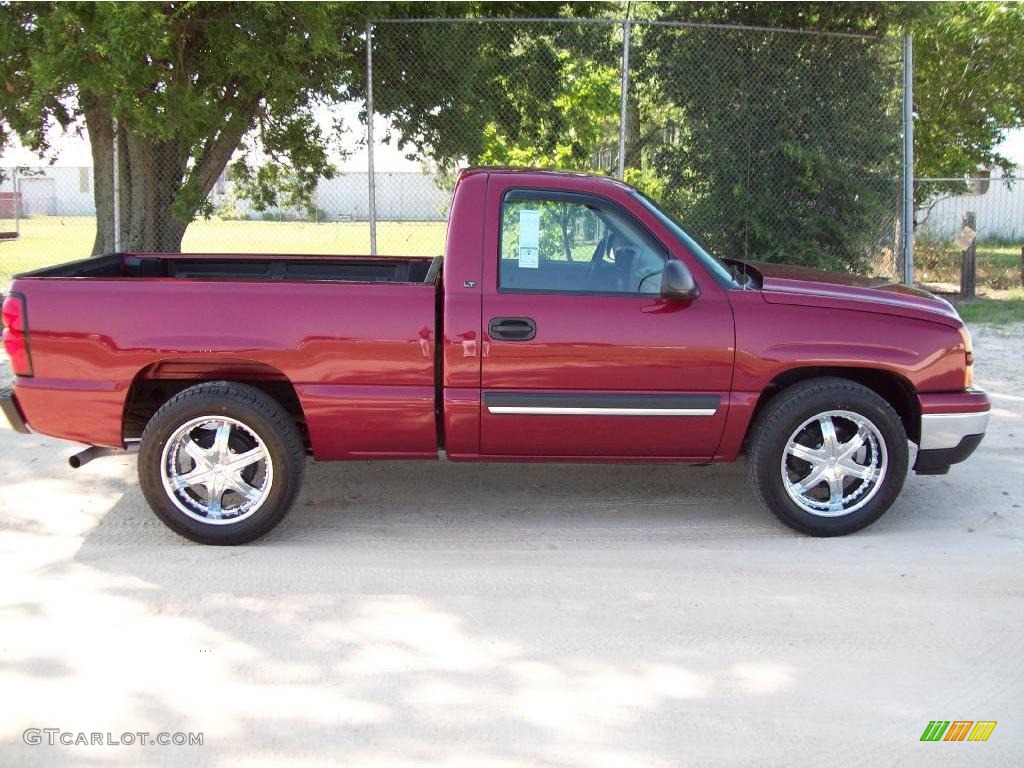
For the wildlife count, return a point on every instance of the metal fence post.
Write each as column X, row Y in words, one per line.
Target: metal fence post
column 116, row 162
column 372, row 185
column 626, row 24
column 17, row 201
column 908, row 159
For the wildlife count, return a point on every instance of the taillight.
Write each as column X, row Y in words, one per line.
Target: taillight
column 16, row 335
column 965, row 335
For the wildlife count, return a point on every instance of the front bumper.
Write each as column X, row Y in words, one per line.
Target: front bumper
column 9, row 405
column 952, row 426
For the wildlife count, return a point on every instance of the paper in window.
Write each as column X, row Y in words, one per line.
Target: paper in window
column 529, row 238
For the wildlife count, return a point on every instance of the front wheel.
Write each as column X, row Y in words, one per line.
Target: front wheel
column 828, row 456
column 221, row 463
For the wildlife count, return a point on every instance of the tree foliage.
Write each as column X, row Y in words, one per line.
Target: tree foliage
column 783, row 147
column 185, row 82
column 561, row 133
column 497, row 93
column 190, row 83
column 731, row 129
column 766, row 145
column 968, row 91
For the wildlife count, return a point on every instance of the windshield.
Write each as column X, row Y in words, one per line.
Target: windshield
column 714, row 265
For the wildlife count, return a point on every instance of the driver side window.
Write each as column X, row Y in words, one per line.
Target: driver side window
column 574, row 244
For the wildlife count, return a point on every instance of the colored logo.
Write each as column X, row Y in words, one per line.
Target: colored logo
column 958, row 730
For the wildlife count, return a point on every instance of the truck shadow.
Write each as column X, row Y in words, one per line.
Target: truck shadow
column 522, row 505
column 412, row 504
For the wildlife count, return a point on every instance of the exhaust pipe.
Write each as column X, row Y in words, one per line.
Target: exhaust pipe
column 82, row 458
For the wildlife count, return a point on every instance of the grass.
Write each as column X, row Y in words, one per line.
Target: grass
column 997, row 266
column 998, row 277
column 48, row 240
column 996, row 307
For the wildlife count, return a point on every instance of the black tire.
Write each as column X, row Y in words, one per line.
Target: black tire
column 258, row 414
column 785, row 414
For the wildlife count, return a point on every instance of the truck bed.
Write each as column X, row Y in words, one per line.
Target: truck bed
column 271, row 267
column 352, row 337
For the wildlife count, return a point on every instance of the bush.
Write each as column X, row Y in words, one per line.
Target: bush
column 228, row 210
column 997, row 266
column 785, row 149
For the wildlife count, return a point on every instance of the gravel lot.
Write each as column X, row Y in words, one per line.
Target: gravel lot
column 456, row 615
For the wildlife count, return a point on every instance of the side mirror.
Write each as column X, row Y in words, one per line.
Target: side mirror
column 677, row 282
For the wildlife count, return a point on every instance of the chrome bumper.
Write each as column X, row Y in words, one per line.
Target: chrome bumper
column 947, row 439
column 947, row 430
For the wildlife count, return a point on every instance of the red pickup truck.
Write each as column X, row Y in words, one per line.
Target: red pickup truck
column 569, row 320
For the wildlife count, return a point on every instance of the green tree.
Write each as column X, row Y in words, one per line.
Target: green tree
column 968, row 90
column 967, row 63
column 787, row 146
column 727, row 128
column 189, row 83
column 581, row 114
column 477, row 92
column 185, row 82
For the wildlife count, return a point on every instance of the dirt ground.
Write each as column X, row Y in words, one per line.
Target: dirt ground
column 418, row 614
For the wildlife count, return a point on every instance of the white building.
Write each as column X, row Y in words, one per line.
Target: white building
column 400, row 196
column 998, row 207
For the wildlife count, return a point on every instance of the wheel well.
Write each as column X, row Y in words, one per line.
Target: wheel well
column 155, row 384
column 892, row 387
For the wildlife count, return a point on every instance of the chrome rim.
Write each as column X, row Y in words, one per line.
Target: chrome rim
column 216, row 470
column 834, row 463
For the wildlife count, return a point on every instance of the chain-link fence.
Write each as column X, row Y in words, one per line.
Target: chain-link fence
column 953, row 212
column 10, row 204
column 765, row 144
column 772, row 144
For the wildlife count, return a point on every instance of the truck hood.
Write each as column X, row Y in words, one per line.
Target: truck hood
column 786, row 284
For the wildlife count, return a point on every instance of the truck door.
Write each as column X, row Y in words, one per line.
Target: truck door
column 582, row 356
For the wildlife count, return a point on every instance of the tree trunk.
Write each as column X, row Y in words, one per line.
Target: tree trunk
column 101, row 139
column 152, row 173
column 563, row 220
column 152, row 176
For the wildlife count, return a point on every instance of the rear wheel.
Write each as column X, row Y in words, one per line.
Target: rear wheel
column 221, row 463
column 828, row 456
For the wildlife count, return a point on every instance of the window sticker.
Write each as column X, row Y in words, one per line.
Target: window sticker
column 529, row 238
